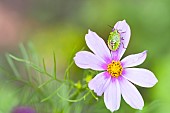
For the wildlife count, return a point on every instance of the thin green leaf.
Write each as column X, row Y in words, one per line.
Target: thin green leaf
column 12, row 65
column 67, row 70
column 23, row 51
column 34, row 54
column 45, row 71
column 54, row 65
column 44, row 66
column 26, row 57
column 51, row 95
column 45, row 83
column 66, row 75
column 27, row 62
column 93, row 95
column 31, row 64
column 77, row 100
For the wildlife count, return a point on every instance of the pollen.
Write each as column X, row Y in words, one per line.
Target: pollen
column 115, row 68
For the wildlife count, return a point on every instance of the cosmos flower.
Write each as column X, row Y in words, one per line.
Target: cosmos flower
column 116, row 77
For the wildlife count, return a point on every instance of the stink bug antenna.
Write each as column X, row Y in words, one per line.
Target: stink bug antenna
column 110, row 26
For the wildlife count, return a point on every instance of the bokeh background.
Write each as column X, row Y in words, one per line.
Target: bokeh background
column 61, row 25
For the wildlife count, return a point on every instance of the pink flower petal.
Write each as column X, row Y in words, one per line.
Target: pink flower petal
column 124, row 30
column 141, row 77
column 99, row 83
column 130, row 94
column 85, row 60
column 112, row 96
column 134, row 60
column 98, row 46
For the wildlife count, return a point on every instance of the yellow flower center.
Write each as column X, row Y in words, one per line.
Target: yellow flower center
column 115, row 69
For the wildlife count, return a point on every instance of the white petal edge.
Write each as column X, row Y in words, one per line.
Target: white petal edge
column 98, row 46
column 134, row 59
column 85, row 60
column 141, row 77
column 99, row 83
column 112, row 96
column 130, row 94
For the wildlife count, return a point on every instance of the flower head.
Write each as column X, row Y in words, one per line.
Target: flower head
column 116, row 77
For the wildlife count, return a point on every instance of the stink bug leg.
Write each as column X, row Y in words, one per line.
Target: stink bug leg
column 122, row 42
column 123, row 39
column 123, row 45
column 123, row 32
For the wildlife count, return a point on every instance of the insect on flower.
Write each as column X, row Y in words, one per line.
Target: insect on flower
column 114, row 39
column 117, row 75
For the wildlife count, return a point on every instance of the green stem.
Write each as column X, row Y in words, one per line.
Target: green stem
column 77, row 100
column 45, row 83
column 51, row 95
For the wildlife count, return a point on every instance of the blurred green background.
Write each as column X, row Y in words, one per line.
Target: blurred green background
column 61, row 25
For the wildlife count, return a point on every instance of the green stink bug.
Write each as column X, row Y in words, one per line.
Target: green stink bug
column 114, row 40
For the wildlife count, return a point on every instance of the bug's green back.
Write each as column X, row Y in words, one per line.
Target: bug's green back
column 114, row 40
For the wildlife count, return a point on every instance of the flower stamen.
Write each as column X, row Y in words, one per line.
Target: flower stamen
column 115, row 68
